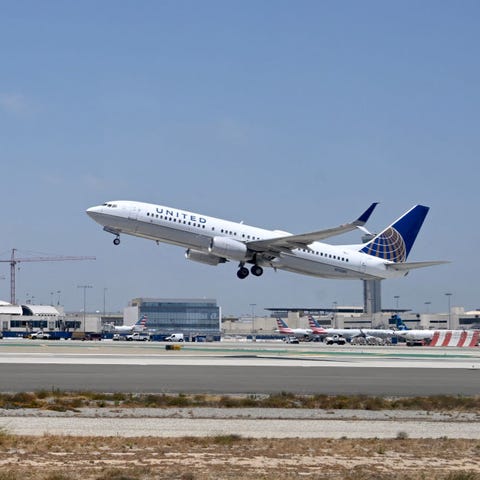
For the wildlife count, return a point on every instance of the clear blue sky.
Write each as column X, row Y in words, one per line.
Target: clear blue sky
column 289, row 115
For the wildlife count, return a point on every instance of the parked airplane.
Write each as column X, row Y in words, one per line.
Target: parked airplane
column 284, row 329
column 350, row 332
column 415, row 334
column 213, row 241
column 408, row 334
column 139, row 326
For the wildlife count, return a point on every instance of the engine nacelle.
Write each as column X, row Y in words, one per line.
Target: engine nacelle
column 203, row 257
column 229, row 248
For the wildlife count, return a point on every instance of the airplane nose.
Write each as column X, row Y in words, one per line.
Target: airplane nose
column 94, row 212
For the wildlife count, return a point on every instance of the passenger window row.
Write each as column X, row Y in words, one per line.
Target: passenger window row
column 326, row 255
column 171, row 219
column 248, row 237
column 229, row 232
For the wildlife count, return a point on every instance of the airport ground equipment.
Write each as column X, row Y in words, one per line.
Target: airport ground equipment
column 338, row 339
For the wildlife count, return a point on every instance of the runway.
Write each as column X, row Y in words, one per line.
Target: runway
column 238, row 368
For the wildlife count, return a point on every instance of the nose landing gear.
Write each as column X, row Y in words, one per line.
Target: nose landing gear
column 116, row 240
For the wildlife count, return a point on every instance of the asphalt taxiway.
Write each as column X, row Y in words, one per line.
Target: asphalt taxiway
column 237, row 368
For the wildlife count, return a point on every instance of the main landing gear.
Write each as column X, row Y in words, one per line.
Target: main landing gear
column 243, row 271
column 116, row 240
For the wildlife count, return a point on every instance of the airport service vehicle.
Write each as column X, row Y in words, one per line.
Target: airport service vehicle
column 338, row 339
column 175, row 337
column 138, row 337
column 416, row 342
column 291, row 340
column 39, row 335
column 212, row 241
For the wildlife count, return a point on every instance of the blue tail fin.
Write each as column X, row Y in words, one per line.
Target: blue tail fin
column 396, row 241
column 399, row 323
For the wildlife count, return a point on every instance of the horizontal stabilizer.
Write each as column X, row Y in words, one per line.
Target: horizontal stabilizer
column 406, row 266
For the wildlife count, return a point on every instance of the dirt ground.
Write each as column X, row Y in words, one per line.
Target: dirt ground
column 232, row 457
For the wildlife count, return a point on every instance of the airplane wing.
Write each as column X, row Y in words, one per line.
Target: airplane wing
column 412, row 265
column 290, row 242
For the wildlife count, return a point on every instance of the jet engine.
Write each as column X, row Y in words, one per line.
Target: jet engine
column 229, row 248
column 203, row 257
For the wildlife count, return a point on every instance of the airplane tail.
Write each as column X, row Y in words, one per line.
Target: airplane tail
column 399, row 323
column 315, row 326
column 141, row 323
column 312, row 323
column 281, row 323
column 395, row 242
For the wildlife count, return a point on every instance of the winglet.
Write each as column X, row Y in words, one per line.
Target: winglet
column 362, row 219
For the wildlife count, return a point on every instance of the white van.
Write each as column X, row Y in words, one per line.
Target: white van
column 175, row 337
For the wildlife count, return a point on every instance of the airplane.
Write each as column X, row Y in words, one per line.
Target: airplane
column 284, row 329
column 408, row 334
column 139, row 326
column 212, row 241
column 416, row 334
column 350, row 333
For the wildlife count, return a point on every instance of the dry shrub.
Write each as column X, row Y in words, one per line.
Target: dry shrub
column 462, row 476
column 8, row 475
column 62, row 401
column 226, row 439
column 135, row 473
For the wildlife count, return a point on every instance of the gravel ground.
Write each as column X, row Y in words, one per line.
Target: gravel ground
column 247, row 422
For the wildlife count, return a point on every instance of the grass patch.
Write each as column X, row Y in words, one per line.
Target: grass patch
column 72, row 401
column 226, row 439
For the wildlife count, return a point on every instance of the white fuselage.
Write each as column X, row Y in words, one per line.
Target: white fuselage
column 297, row 332
column 415, row 334
column 195, row 231
column 360, row 332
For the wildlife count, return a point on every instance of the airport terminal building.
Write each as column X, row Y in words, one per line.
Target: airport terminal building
column 192, row 317
column 201, row 318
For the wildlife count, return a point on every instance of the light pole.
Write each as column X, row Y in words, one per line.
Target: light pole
column 334, row 314
column 58, row 299
column 449, row 296
column 104, row 292
column 396, row 297
column 84, row 302
column 253, row 305
column 427, row 306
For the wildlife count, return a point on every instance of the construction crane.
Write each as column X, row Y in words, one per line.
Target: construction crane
column 14, row 260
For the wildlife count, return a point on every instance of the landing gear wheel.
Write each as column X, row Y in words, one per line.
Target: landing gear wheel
column 256, row 270
column 242, row 273
column 116, row 241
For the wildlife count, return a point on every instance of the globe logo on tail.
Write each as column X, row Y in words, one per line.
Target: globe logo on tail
column 389, row 245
